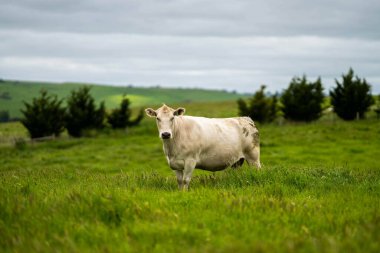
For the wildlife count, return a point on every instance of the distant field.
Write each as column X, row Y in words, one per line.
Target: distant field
column 19, row 91
column 319, row 191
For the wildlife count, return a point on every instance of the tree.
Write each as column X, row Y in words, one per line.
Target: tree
column 273, row 109
column 82, row 113
column 44, row 116
column 351, row 98
column 260, row 108
column 302, row 100
column 120, row 117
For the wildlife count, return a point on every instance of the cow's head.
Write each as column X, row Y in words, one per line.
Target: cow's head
column 165, row 117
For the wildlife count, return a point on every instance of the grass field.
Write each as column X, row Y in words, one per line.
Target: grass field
column 12, row 93
column 319, row 191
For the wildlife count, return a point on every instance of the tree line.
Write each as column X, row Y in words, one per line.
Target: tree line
column 303, row 100
column 46, row 115
column 350, row 99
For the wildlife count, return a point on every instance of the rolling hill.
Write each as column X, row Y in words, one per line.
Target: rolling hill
column 13, row 93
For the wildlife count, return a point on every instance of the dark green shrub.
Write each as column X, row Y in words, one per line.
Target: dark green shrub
column 302, row 100
column 5, row 95
column 4, row 116
column 260, row 107
column 82, row 112
column 351, row 98
column 44, row 116
column 120, row 117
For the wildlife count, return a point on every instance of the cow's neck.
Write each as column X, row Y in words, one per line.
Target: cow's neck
column 169, row 147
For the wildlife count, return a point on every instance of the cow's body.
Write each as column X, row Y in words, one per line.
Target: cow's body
column 214, row 144
column 209, row 144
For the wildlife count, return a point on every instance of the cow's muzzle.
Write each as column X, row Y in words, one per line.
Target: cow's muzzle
column 165, row 135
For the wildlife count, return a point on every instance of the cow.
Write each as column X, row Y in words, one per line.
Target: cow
column 210, row 144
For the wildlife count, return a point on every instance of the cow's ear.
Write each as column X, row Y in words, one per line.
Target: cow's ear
column 179, row 111
column 150, row 112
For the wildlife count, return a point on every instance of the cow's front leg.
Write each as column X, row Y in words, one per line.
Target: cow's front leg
column 187, row 172
column 179, row 174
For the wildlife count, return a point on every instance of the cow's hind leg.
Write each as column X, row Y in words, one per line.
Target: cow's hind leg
column 253, row 157
column 238, row 164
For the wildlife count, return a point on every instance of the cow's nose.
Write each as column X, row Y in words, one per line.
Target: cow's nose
column 165, row 135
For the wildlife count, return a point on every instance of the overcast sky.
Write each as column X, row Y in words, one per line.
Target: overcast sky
column 233, row 45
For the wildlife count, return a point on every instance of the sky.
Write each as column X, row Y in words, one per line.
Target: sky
column 227, row 44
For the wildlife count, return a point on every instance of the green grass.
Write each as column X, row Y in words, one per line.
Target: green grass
column 20, row 91
column 319, row 191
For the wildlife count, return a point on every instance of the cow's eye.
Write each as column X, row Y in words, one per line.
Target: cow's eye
column 171, row 119
column 158, row 119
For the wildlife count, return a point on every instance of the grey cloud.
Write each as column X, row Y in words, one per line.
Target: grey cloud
column 198, row 18
column 215, row 44
column 243, row 62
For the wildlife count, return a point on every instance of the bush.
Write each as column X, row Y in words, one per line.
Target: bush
column 5, row 95
column 119, row 118
column 302, row 100
column 44, row 116
column 82, row 114
column 4, row 116
column 260, row 108
column 351, row 98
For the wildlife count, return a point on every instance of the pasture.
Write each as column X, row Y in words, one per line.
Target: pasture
column 318, row 191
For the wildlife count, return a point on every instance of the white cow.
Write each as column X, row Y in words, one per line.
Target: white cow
column 205, row 143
